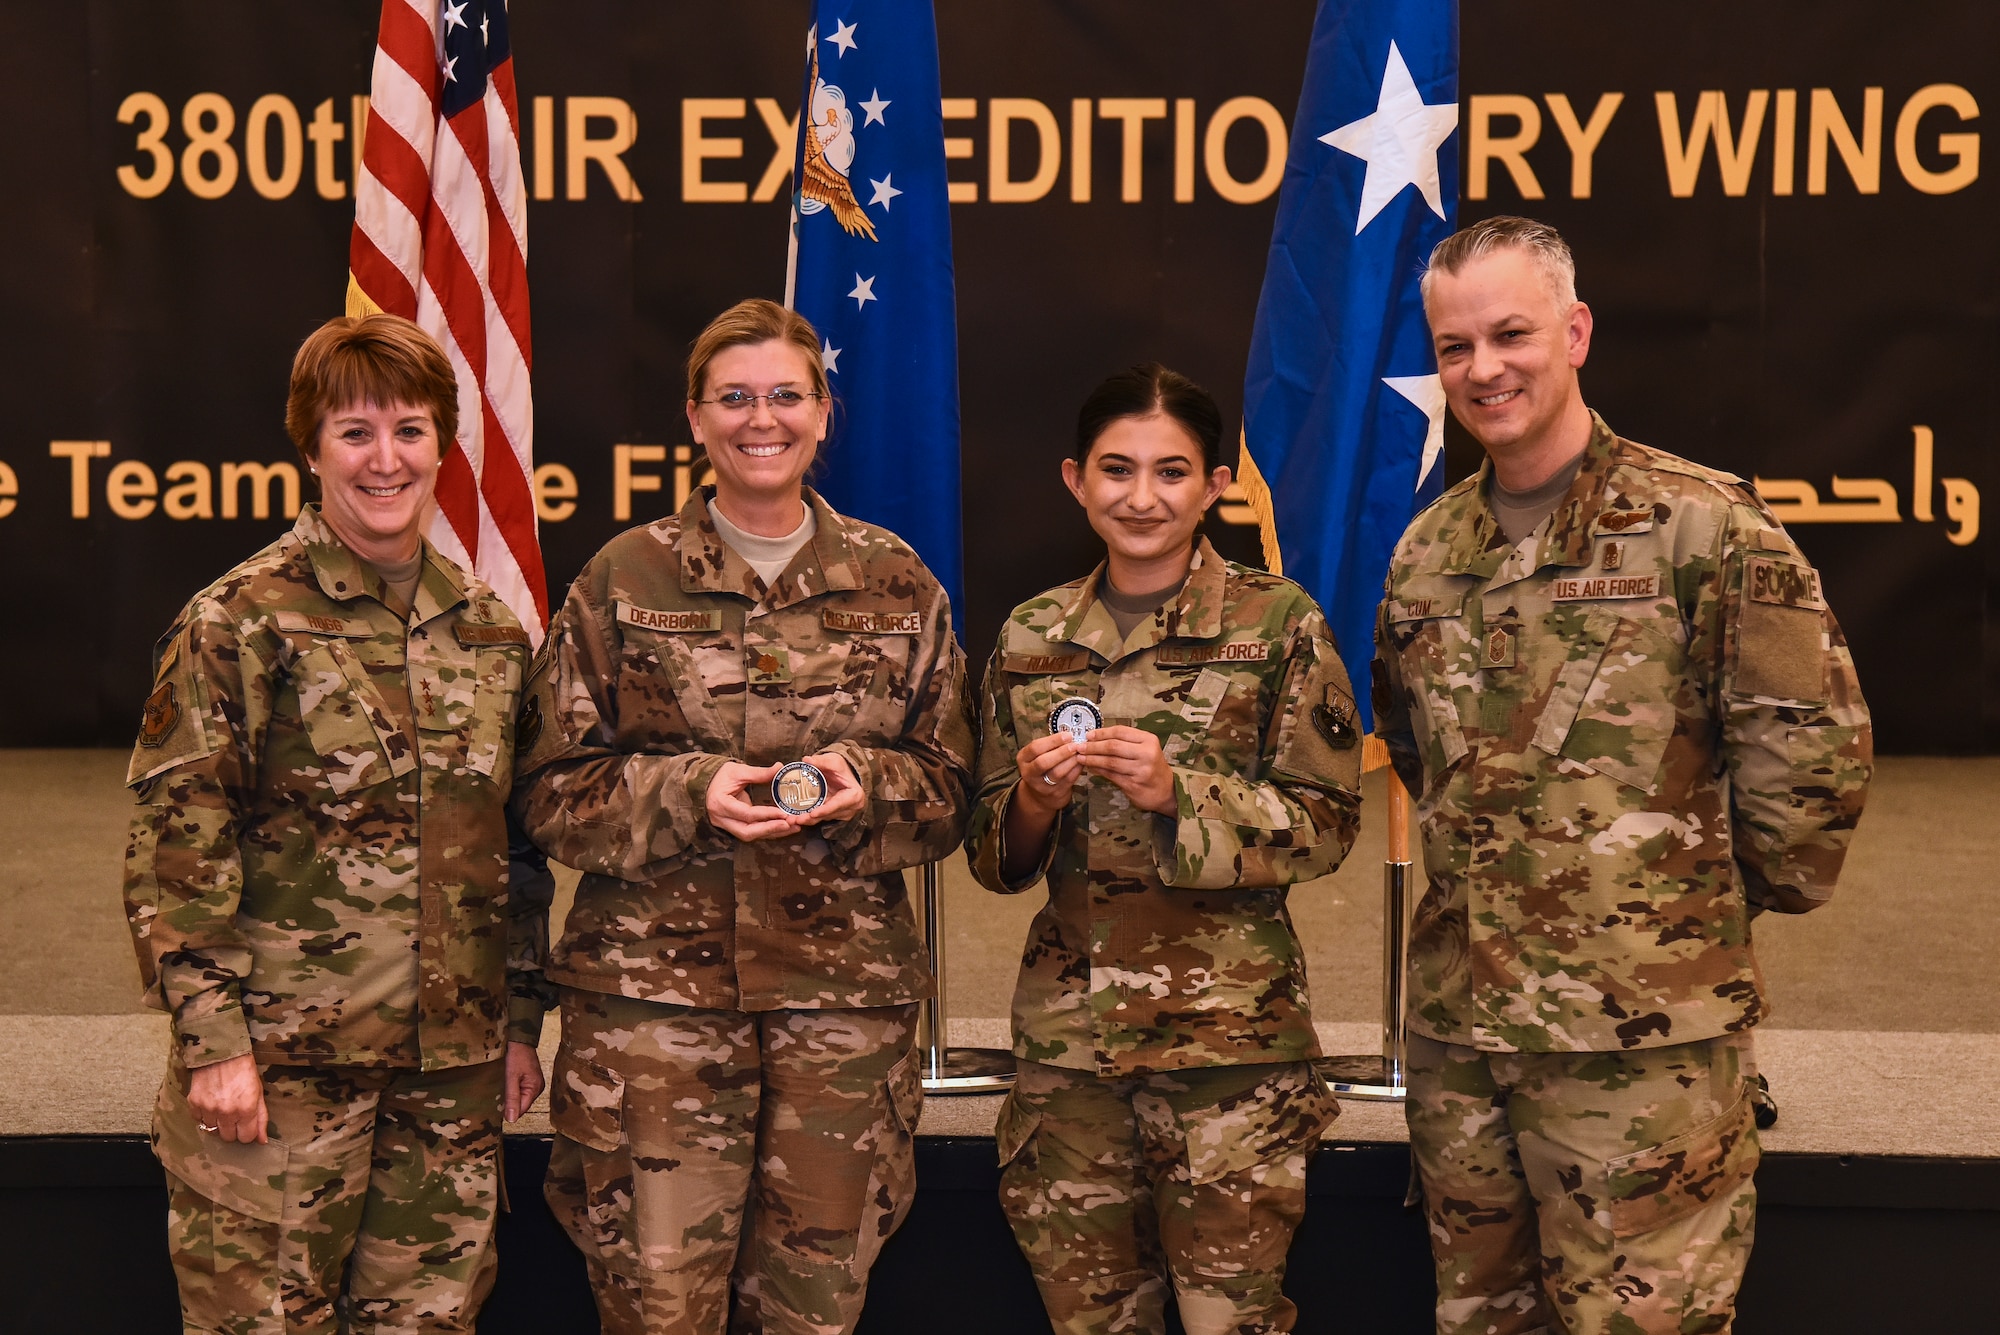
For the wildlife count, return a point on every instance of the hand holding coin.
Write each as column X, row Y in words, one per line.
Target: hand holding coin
column 818, row 789
column 1132, row 759
column 731, row 810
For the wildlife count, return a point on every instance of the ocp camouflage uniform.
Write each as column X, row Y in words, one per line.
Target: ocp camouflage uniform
column 1166, row 1106
column 298, row 742
column 739, row 1018
column 1628, row 736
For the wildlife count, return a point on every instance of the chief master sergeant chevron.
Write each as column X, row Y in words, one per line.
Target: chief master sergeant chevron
column 1632, row 725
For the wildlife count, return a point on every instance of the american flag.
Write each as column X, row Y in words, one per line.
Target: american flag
column 441, row 237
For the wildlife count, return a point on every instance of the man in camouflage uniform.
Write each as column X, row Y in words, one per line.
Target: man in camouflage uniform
column 300, row 741
column 1166, row 1106
column 1631, row 724
column 739, row 1016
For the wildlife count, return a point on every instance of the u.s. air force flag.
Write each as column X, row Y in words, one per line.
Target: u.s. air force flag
column 1343, row 415
column 870, row 266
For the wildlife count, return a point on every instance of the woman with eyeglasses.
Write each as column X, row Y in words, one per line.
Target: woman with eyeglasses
column 753, row 716
column 1171, row 742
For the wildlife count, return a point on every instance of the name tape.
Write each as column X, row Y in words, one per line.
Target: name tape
column 314, row 624
column 875, row 623
column 1605, row 586
column 1417, row 609
column 1785, row 584
column 1237, row 651
column 1041, row 665
column 645, row 618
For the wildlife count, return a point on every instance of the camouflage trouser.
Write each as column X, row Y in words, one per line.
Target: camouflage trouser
column 370, row 1210
column 1598, row 1192
column 1116, row 1187
column 673, row 1124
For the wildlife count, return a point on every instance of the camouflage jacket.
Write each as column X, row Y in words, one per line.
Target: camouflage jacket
column 1166, row 942
column 669, row 658
column 318, row 866
column 1627, row 736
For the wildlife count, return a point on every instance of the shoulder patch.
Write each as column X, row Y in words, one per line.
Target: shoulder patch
column 472, row 636
column 162, row 715
column 314, row 624
column 1784, row 583
column 1234, row 651
column 645, row 618
column 874, row 623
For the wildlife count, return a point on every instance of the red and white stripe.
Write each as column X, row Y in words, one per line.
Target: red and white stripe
column 441, row 237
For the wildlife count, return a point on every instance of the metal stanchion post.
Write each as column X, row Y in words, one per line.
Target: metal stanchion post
column 1370, row 1077
column 949, row 1070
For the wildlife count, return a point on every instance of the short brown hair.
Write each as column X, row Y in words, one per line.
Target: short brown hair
column 754, row 321
column 377, row 359
column 1543, row 244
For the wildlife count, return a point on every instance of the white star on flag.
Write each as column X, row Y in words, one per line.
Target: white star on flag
column 864, row 291
column 483, row 37
column 875, row 106
column 843, row 36
column 454, row 16
column 1399, row 141
column 1426, row 392
column 830, row 355
column 449, row 76
column 884, row 192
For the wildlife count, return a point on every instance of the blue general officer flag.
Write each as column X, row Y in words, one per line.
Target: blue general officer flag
column 870, row 266
column 1343, row 414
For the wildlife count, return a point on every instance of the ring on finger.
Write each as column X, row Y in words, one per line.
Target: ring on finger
column 206, row 1127
column 1049, row 779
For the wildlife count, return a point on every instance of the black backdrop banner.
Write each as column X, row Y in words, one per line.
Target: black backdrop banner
column 1781, row 215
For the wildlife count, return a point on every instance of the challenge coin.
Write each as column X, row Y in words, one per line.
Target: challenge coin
column 799, row 789
column 1075, row 716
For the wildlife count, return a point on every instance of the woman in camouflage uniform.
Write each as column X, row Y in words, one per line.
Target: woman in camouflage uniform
column 740, row 982
column 1166, row 1105
column 319, row 890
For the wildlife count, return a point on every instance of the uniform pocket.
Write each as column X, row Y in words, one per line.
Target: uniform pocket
column 1015, row 1129
column 892, row 1184
column 346, row 720
column 587, row 1103
column 248, row 1179
column 1432, row 647
column 1284, row 1113
column 1687, row 1174
column 1246, row 1163
column 1613, row 709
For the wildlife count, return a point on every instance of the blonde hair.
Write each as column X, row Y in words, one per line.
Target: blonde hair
column 748, row 322
column 375, row 359
column 1544, row 246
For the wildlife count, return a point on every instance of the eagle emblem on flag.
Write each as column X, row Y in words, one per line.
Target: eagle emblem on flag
column 829, row 157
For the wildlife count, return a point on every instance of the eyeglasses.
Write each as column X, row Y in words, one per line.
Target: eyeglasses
column 781, row 400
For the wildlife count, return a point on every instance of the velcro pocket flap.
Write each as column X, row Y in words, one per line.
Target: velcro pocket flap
column 1653, row 1188
column 587, row 1103
column 246, row 1178
column 1284, row 1114
column 344, row 715
column 1015, row 1130
column 906, row 1092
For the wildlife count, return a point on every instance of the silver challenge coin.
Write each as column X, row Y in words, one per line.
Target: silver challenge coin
column 1075, row 716
column 799, row 789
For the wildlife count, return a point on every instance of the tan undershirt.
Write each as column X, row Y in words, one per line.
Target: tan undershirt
column 767, row 556
column 1129, row 609
column 402, row 580
column 1522, row 512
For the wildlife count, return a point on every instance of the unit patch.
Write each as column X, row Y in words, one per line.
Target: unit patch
column 874, row 623
column 645, row 618
column 1335, row 721
column 1784, row 584
column 163, row 715
column 1604, row 586
column 1237, row 651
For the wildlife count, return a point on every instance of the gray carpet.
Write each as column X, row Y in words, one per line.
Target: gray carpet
column 1885, row 1036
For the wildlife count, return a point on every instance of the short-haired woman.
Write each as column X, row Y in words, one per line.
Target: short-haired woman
column 318, row 885
column 1171, row 742
column 736, row 1091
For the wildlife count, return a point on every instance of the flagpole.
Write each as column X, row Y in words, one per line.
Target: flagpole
column 1361, row 1076
column 949, row 1070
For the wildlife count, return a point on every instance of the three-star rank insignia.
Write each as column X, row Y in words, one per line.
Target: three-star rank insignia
column 163, row 715
column 1335, row 721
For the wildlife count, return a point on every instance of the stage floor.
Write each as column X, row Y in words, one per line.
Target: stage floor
column 1884, row 1040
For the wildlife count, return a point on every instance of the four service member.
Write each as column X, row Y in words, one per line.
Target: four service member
column 1610, row 678
column 1631, row 724
column 318, row 886
column 736, row 1090
column 1170, row 742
